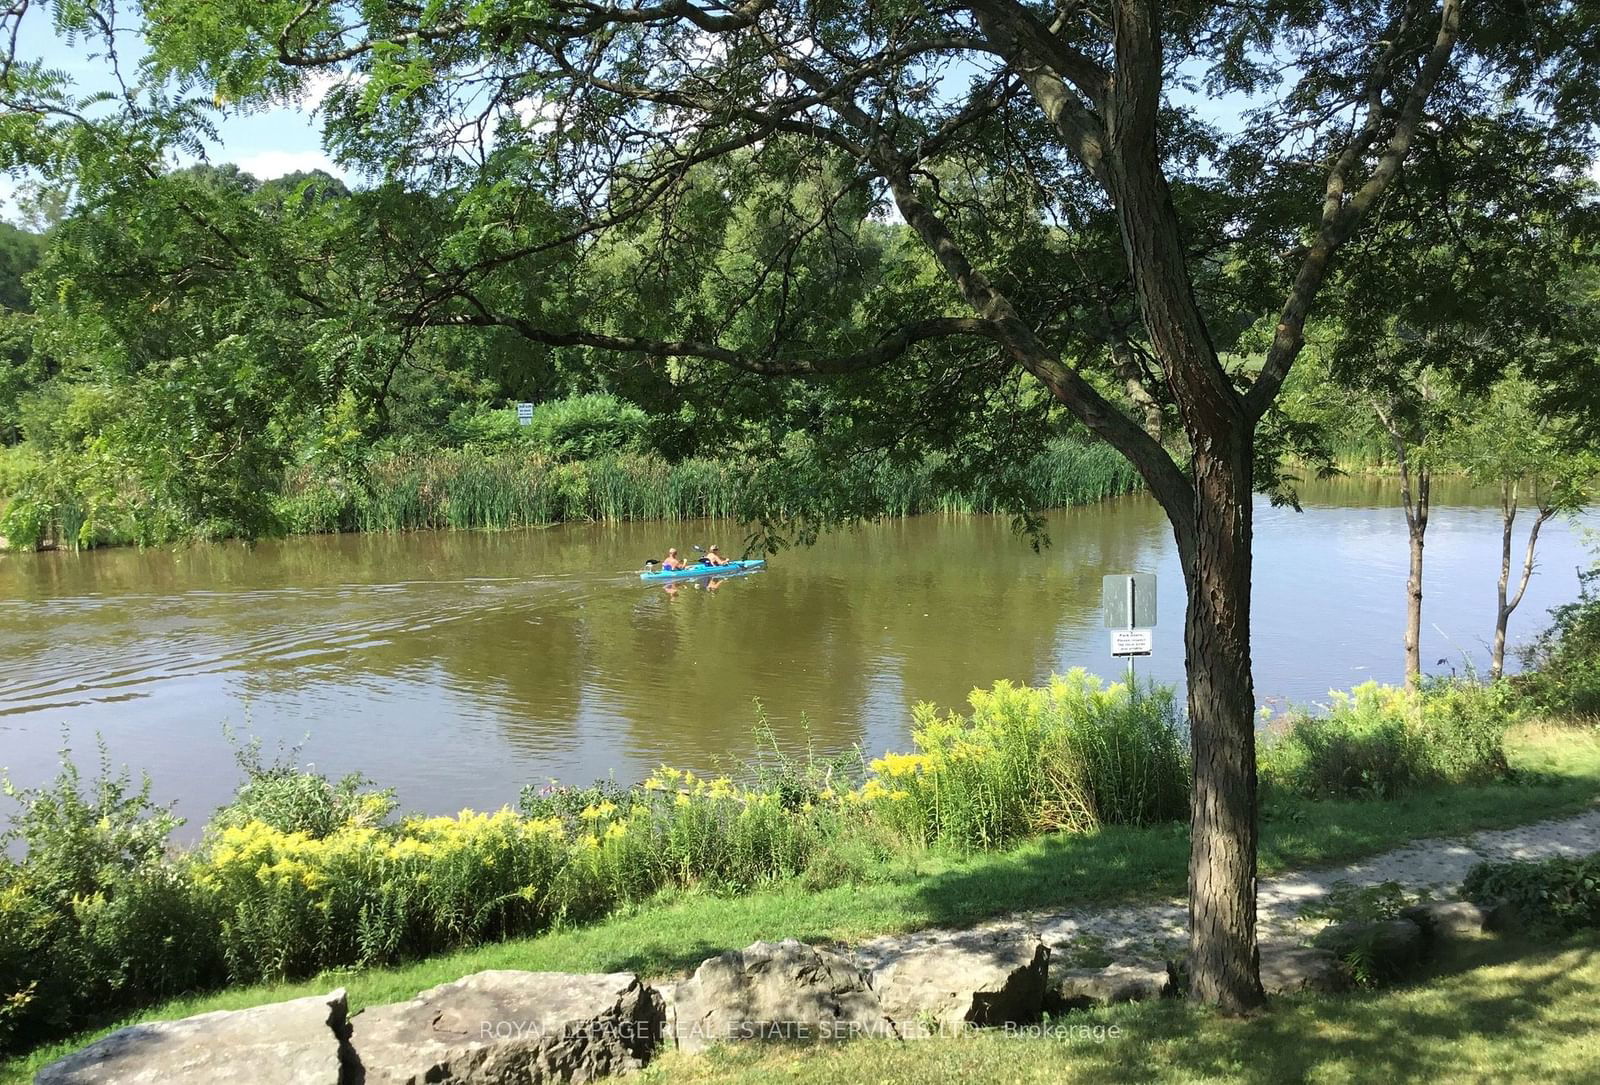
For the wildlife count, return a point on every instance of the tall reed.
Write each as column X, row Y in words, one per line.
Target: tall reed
column 478, row 488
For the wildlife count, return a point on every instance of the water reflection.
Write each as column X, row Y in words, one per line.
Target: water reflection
column 459, row 666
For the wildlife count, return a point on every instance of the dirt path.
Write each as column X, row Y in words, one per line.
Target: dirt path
column 1160, row 929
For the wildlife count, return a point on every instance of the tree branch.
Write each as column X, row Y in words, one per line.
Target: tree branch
column 888, row 347
column 1340, row 216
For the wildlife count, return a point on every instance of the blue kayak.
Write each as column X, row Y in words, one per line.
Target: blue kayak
column 730, row 569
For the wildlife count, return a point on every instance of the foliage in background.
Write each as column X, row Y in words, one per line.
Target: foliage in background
column 1563, row 675
column 1381, row 741
column 505, row 478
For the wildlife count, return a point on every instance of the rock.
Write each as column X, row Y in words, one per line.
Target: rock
column 1502, row 918
column 504, row 1027
column 1135, row 981
column 953, row 985
column 1448, row 918
column 1288, row 970
column 775, row 991
column 1379, row 950
column 301, row 1041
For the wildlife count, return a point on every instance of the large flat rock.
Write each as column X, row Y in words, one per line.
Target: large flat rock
column 511, row 1028
column 1124, row 981
column 969, row 981
column 286, row 1043
column 1291, row 969
column 775, row 991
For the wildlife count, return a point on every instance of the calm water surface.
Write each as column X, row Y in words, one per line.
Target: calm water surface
column 459, row 666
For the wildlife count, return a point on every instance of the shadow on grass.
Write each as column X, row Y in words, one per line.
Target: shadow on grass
column 1112, row 865
column 1473, row 1022
column 1119, row 863
column 1504, row 1012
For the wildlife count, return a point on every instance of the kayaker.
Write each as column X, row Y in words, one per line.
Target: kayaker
column 714, row 557
column 672, row 560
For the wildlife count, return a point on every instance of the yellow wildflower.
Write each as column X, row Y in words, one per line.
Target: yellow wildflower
column 599, row 812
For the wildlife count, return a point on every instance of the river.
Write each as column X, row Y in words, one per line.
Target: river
column 457, row 667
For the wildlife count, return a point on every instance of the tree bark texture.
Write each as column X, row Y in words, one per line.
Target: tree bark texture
column 1222, row 862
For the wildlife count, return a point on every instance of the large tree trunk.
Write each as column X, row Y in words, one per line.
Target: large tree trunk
column 1222, row 858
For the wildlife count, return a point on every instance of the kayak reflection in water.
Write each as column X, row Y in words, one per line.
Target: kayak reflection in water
column 710, row 584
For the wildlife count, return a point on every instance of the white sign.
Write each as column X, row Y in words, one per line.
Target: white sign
column 1132, row 642
column 524, row 414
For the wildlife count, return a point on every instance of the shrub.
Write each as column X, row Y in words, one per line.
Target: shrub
column 1464, row 724
column 1553, row 897
column 584, row 427
column 291, row 904
column 483, row 427
column 92, row 916
column 1071, row 755
column 281, row 796
column 1563, row 662
column 1382, row 742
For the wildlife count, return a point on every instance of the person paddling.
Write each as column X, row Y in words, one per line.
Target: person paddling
column 714, row 557
column 672, row 560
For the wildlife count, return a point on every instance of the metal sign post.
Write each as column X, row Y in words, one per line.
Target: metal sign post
column 1128, row 601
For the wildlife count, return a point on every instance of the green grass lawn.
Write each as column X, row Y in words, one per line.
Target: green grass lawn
column 1496, row 1011
column 1559, row 774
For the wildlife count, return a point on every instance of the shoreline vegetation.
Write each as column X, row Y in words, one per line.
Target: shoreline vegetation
column 1069, row 793
column 584, row 460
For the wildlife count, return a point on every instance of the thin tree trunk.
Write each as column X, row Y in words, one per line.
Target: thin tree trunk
column 1508, row 521
column 1505, row 606
column 1415, row 498
column 1224, row 963
column 1128, row 370
column 1417, row 529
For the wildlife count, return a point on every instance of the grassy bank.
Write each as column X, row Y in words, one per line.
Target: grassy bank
column 50, row 502
column 1557, row 771
column 1493, row 1011
column 475, row 488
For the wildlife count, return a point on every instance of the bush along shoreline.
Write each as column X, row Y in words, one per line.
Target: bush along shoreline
column 582, row 459
column 301, row 874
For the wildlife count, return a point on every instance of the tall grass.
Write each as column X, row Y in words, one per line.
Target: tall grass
column 486, row 488
column 1070, row 755
column 1382, row 742
column 507, row 480
column 1064, row 473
